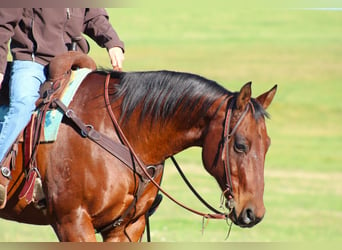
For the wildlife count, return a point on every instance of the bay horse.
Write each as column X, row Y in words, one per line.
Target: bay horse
column 160, row 114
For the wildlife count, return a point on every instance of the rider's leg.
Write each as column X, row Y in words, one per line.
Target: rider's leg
column 26, row 78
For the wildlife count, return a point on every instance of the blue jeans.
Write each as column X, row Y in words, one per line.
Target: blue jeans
column 26, row 78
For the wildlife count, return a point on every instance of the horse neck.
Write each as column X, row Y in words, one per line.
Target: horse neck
column 157, row 140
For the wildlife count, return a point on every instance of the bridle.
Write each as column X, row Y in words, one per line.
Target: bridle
column 227, row 194
column 227, row 136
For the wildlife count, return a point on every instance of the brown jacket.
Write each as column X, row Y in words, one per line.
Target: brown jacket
column 39, row 34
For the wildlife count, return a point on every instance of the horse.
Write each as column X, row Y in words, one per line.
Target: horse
column 159, row 113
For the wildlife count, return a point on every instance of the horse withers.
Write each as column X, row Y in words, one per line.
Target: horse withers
column 160, row 114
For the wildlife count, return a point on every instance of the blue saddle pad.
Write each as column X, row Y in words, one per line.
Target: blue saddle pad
column 54, row 117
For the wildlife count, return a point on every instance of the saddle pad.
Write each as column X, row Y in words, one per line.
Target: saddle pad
column 54, row 117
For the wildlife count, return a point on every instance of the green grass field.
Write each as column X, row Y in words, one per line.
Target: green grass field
column 301, row 51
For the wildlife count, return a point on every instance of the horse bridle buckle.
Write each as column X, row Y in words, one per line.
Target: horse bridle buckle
column 231, row 204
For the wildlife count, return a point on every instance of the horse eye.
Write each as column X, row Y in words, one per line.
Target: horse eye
column 240, row 147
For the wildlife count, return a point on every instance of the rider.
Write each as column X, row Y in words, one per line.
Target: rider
column 37, row 35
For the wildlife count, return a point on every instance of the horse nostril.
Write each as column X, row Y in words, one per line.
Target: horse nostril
column 249, row 216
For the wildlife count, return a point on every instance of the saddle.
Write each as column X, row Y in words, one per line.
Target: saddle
column 61, row 84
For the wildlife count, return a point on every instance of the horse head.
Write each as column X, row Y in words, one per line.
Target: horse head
column 234, row 153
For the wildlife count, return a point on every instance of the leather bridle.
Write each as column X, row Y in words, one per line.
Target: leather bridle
column 227, row 136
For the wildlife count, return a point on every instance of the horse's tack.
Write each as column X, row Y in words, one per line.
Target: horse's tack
column 225, row 150
column 31, row 139
column 54, row 117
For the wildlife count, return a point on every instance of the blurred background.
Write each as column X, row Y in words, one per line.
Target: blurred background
column 300, row 50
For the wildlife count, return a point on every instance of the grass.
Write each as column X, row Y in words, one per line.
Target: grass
column 300, row 51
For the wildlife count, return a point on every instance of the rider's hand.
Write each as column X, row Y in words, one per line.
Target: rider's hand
column 117, row 57
column 1, row 78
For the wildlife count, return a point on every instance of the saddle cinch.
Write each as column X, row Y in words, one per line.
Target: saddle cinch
column 66, row 73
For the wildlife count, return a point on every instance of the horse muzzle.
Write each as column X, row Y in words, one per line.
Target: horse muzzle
column 247, row 218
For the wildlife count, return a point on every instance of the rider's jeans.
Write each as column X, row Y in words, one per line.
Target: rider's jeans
column 26, row 78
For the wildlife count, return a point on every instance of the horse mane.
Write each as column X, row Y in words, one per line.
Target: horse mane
column 163, row 93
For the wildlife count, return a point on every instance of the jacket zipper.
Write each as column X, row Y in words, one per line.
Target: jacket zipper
column 34, row 43
column 68, row 13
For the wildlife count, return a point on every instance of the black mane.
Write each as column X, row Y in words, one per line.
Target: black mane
column 162, row 93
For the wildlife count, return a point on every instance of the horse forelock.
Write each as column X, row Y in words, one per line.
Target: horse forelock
column 163, row 93
column 259, row 111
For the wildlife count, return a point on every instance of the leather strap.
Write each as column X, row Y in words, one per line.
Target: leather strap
column 31, row 142
column 118, row 150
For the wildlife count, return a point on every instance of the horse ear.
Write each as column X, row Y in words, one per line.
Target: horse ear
column 244, row 96
column 266, row 98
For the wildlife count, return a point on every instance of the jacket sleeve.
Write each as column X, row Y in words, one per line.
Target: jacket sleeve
column 8, row 21
column 98, row 27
